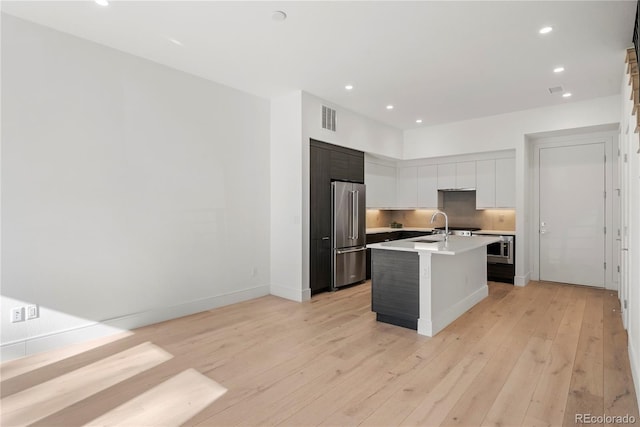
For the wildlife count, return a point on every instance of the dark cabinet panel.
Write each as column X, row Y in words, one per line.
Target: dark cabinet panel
column 386, row 237
column 501, row 272
column 320, row 193
column 395, row 287
column 347, row 167
column 382, row 237
column 320, row 265
column 327, row 163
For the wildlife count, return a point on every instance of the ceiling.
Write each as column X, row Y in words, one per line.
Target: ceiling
column 436, row 61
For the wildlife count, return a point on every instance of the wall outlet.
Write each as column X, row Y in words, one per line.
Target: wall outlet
column 32, row 312
column 17, row 314
column 501, row 218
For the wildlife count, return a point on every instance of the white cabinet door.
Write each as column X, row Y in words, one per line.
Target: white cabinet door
column 428, row 186
column 407, row 187
column 505, row 183
column 446, row 176
column 466, row 175
column 381, row 185
column 485, row 184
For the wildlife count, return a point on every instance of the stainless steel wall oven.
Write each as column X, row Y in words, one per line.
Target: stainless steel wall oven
column 501, row 252
column 501, row 258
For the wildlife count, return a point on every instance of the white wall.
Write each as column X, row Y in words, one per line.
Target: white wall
column 286, row 207
column 131, row 192
column 509, row 131
column 352, row 129
column 506, row 131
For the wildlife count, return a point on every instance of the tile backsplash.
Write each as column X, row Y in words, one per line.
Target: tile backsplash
column 460, row 206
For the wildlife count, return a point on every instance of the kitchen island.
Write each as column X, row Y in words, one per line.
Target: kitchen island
column 425, row 283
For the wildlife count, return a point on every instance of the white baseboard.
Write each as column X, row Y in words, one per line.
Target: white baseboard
column 430, row 327
column 442, row 319
column 635, row 367
column 522, row 280
column 13, row 350
column 53, row 340
column 425, row 327
column 297, row 295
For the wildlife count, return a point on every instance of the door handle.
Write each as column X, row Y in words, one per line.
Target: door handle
column 348, row 251
column 356, row 225
column 543, row 226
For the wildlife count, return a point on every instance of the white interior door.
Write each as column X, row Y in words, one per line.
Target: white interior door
column 572, row 214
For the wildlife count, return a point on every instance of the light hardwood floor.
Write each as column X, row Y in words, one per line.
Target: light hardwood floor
column 530, row 356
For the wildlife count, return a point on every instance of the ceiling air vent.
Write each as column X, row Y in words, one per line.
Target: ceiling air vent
column 328, row 118
column 554, row 90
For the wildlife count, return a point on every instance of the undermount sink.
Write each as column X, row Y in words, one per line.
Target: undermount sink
column 430, row 240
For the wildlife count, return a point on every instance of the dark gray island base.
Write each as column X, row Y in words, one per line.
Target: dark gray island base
column 426, row 283
column 395, row 287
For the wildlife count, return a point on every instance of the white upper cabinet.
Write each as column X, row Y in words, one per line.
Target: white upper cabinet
column 485, row 184
column 466, row 175
column 381, row 185
column 407, row 187
column 456, row 175
column 495, row 184
column 505, row 183
column 415, row 184
column 446, row 176
column 428, row 186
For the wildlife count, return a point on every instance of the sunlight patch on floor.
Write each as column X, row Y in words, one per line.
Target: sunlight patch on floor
column 170, row 403
column 13, row 368
column 44, row 399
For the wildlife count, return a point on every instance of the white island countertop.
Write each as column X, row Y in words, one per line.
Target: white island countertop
column 455, row 245
column 377, row 230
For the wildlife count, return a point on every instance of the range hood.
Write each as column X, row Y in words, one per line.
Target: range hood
column 457, row 189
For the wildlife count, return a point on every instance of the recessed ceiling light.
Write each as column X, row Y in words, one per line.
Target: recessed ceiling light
column 566, row 94
column 558, row 69
column 278, row 15
column 389, row 107
column 175, row 41
column 545, row 30
column 102, row 2
column 348, row 87
column 419, row 121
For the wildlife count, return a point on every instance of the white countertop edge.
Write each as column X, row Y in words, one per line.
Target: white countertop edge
column 456, row 245
column 389, row 229
column 497, row 232
column 376, row 230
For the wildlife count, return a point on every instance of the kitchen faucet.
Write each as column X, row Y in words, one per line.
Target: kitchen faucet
column 446, row 224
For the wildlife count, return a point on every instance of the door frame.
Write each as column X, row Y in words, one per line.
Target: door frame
column 624, row 150
column 609, row 139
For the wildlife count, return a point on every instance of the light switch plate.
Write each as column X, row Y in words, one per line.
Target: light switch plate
column 32, row 312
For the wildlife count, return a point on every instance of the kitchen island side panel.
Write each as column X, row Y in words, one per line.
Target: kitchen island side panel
column 460, row 282
column 395, row 285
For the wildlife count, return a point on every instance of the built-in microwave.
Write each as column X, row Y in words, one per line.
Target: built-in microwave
column 501, row 252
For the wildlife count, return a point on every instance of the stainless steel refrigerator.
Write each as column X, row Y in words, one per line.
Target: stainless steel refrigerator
column 349, row 234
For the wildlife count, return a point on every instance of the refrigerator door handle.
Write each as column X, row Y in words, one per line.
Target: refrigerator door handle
column 351, row 222
column 347, row 251
column 356, row 222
